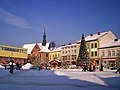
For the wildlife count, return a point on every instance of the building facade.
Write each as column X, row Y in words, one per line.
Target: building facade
column 16, row 54
column 110, row 52
column 55, row 57
column 38, row 53
column 70, row 52
column 94, row 42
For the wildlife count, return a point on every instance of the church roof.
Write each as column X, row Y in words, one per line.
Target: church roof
column 31, row 46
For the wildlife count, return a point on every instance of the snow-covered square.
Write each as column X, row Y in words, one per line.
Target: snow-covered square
column 59, row 79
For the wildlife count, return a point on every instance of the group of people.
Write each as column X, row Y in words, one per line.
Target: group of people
column 12, row 64
column 87, row 67
column 92, row 68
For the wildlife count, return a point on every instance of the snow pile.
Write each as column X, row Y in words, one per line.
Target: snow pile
column 58, row 72
column 27, row 66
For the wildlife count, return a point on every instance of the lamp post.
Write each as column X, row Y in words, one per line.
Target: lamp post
column 101, row 66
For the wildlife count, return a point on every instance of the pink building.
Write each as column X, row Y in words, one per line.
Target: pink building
column 110, row 52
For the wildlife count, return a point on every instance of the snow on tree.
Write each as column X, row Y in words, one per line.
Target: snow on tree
column 83, row 54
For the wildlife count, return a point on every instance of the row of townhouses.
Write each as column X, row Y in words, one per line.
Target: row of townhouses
column 100, row 46
column 103, row 46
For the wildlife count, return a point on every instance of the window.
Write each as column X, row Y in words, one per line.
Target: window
column 46, row 54
column 118, row 52
column 63, row 52
column 91, row 45
column 103, row 53
column 72, row 51
column 95, row 45
column 109, row 53
column 87, row 46
column 74, row 46
column 0, row 48
column 55, row 55
column 58, row 55
column 75, row 51
column 113, row 53
column 95, row 53
column 68, row 57
column 92, row 54
column 66, row 52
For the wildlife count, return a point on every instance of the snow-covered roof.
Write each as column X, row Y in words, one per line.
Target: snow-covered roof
column 113, row 43
column 69, row 45
column 55, row 60
column 93, row 36
column 56, row 49
column 44, row 49
column 31, row 46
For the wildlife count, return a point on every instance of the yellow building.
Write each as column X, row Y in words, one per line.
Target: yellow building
column 14, row 53
column 55, row 54
column 94, row 42
column 55, row 57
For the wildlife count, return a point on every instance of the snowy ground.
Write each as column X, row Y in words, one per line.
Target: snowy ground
column 59, row 80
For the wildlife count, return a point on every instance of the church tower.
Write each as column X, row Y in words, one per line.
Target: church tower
column 44, row 39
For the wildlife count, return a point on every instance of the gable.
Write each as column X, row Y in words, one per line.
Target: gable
column 35, row 49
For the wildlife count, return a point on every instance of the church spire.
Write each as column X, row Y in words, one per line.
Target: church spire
column 44, row 38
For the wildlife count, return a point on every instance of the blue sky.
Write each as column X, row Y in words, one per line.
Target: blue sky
column 23, row 21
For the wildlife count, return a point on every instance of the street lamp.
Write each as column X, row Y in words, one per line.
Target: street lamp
column 101, row 66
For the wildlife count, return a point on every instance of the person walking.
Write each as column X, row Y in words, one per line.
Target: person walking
column 11, row 67
column 118, row 70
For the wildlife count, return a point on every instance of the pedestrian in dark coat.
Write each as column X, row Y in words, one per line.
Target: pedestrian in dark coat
column 17, row 65
column 118, row 70
column 11, row 67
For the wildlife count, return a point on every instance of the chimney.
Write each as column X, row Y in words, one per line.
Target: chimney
column 69, row 43
column 91, row 34
column 98, row 33
column 116, row 39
